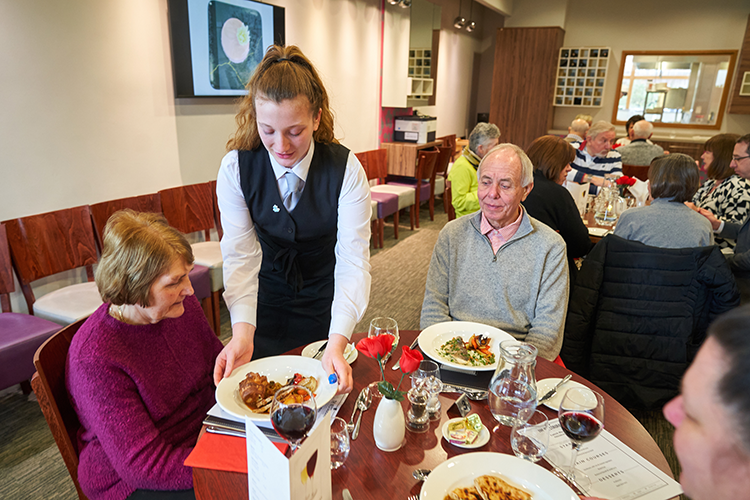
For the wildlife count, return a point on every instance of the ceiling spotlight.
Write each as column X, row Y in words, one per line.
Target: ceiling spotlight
column 394, row 2
column 471, row 26
column 405, row 4
column 459, row 22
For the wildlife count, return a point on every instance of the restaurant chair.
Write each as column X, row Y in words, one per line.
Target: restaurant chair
column 200, row 276
column 423, row 183
column 441, row 172
column 217, row 213
column 51, row 243
column 49, row 386
column 637, row 171
column 390, row 199
column 450, row 141
column 377, row 242
column 448, row 201
column 20, row 334
column 638, row 315
column 190, row 209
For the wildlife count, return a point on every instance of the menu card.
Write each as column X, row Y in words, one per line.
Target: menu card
column 304, row 476
column 616, row 471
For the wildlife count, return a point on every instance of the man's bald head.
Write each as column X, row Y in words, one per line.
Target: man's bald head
column 642, row 129
column 578, row 127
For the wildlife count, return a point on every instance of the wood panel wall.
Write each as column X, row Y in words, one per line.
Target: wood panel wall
column 523, row 82
column 741, row 104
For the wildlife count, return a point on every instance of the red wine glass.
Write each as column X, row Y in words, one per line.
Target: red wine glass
column 293, row 413
column 581, row 416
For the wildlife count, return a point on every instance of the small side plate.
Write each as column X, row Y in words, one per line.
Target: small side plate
column 350, row 353
column 482, row 439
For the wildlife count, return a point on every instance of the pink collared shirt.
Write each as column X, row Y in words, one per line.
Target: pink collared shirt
column 498, row 237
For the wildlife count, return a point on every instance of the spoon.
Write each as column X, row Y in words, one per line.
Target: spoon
column 363, row 405
column 421, row 474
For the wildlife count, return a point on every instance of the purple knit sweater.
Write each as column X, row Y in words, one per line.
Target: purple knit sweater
column 141, row 393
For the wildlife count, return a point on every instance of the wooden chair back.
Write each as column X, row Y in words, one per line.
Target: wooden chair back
column 6, row 271
column 46, row 244
column 450, row 142
column 426, row 162
column 189, row 208
column 101, row 212
column 49, row 386
column 443, row 160
column 217, row 214
column 375, row 163
column 636, row 171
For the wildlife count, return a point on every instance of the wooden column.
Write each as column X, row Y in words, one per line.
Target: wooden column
column 523, row 82
column 741, row 104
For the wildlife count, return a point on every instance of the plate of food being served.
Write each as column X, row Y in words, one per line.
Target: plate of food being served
column 249, row 390
column 493, row 475
column 463, row 345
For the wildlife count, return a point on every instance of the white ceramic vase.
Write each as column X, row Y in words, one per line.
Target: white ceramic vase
column 389, row 426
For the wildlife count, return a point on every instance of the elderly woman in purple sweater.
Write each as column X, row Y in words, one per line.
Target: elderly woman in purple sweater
column 140, row 368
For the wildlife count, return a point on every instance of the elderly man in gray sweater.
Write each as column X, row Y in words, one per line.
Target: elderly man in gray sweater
column 499, row 266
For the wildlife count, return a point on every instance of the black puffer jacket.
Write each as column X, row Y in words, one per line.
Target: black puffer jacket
column 638, row 315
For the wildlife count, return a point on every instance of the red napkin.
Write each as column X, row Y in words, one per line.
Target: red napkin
column 220, row 452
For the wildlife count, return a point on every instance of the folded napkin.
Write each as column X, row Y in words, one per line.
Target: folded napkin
column 220, row 452
column 640, row 191
column 580, row 193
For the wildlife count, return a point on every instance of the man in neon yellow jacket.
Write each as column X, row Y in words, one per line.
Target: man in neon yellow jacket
column 463, row 173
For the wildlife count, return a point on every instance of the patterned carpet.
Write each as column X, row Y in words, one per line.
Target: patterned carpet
column 32, row 468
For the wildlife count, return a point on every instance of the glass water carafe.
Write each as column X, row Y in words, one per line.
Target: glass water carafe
column 608, row 205
column 512, row 392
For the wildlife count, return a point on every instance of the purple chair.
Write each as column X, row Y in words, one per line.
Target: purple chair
column 20, row 334
column 424, row 182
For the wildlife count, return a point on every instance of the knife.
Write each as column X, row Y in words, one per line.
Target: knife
column 218, row 425
column 553, row 391
column 412, row 346
column 322, row 349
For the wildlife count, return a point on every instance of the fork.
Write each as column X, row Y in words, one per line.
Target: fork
column 412, row 497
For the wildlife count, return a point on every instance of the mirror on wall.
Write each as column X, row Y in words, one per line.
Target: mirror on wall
column 675, row 89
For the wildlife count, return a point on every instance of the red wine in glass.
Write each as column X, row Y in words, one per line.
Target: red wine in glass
column 293, row 413
column 581, row 417
column 293, row 422
column 580, row 427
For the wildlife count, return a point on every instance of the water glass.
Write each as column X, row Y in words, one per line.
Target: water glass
column 340, row 444
column 529, row 439
column 510, row 400
column 383, row 326
column 427, row 377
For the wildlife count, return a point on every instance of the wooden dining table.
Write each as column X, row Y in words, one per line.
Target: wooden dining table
column 372, row 474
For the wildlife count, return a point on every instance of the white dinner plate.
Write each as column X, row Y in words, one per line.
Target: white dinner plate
column 482, row 439
column 435, row 336
column 545, row 385
column 350, row 353
column 462, row 469
column 278, row 369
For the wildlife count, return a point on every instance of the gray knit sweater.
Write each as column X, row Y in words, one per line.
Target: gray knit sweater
column 523, row 289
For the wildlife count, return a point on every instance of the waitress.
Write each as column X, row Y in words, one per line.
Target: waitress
column 295, row 209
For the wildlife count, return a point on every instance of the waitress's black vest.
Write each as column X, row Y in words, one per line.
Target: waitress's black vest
column 296, row 275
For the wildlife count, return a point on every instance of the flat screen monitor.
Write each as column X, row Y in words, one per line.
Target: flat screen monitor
column 216, row 44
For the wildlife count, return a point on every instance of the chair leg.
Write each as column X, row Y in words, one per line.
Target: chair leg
column 412, row 216
column 381, row 226
column 416, row 206
column 207, row 306
column 215, row 306
column 26, row 387
column 395, row 224
column 432, row 208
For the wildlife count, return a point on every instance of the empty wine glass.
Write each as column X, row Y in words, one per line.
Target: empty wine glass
column 293, row 413
column 529, row 439
column 383, row 326
column 581, row 416
column 427, row 377
column 340, row 443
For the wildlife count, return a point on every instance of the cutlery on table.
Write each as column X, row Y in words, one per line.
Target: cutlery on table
column 473, row 394
column 553, row 391
column 412, row 346
column 346, row 495
column 421, row 474
column 412, row 497
column 321, row 350
column 350, row 425
column 364, row 405
column 228, row 430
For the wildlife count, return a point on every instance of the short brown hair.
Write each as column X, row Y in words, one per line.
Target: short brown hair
column 138, row 248
column 550, row 155
column 674, row 176
column 284, row 73
column 722, row 147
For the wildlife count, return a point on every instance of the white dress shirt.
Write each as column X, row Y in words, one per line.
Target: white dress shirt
column 242, row 251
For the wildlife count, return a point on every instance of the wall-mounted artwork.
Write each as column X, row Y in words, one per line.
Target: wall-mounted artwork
column 581, row 76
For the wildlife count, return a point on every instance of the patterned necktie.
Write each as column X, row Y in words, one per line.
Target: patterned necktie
column 294, row 187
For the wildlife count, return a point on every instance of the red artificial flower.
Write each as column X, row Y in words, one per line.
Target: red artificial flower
column 372, row 347
column 625, row 181
column 410, row 359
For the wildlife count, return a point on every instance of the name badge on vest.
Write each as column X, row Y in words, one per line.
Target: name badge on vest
column 276, row 208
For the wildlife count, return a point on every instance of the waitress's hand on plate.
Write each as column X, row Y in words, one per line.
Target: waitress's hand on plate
column 237, row 352
column 334, row 362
